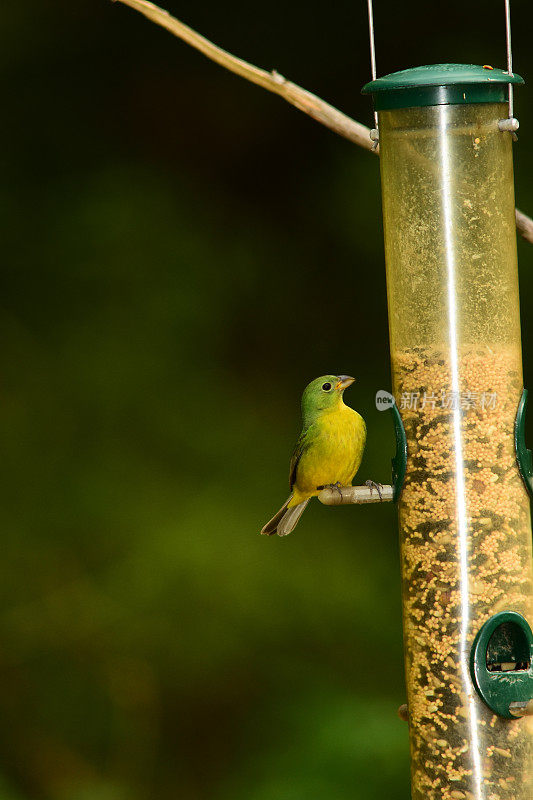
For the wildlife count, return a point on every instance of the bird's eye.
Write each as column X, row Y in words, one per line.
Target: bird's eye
column 326, row 387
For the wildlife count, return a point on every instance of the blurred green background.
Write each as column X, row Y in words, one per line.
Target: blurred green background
column 182, row 253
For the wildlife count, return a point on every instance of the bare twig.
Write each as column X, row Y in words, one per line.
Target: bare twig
column 350, row 495
column 307, row 102
column 271, row 81
column 524, row 225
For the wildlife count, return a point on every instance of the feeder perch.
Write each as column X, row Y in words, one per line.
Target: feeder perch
column 464, row 516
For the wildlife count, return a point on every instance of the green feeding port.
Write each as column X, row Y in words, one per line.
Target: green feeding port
column 441, row 84
column 399, row 462
column 500, row 662
column 523, row 454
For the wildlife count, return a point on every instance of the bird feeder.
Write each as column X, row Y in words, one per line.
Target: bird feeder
column 445, row 141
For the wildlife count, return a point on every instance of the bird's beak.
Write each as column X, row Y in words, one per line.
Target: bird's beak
column 344, row 381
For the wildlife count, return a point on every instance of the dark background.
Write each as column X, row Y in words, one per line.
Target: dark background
column 182, row 253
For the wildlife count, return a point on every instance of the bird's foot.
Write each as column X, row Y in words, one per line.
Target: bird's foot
column 373, row 485
column 337, row 485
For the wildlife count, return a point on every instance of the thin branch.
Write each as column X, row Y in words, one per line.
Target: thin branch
column 350, row 495
column 271, row 81
column 307, row 102
column 524, row 225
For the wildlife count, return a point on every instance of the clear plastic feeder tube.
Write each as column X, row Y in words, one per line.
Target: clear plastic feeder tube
column 450, row 242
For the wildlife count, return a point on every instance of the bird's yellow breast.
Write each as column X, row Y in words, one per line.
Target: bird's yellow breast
column 334, row 454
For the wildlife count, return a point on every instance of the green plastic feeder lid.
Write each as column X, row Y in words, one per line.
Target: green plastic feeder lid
column 441, row 84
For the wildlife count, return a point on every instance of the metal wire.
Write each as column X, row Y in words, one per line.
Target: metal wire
column 509, row 54
column 372, row 49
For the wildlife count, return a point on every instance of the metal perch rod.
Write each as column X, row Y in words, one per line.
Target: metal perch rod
column 522, row 709
column 350, row 495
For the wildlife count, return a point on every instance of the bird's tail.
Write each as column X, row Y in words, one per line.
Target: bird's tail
column 286, row 519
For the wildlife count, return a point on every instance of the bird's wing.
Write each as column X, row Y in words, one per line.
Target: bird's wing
column 306, row 437
column 295, row 460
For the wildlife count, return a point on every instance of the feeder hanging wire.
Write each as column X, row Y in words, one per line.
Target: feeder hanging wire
column 511, row 124
column 509, row 54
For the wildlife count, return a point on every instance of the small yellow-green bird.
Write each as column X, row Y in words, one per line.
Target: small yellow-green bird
column 328, row 452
